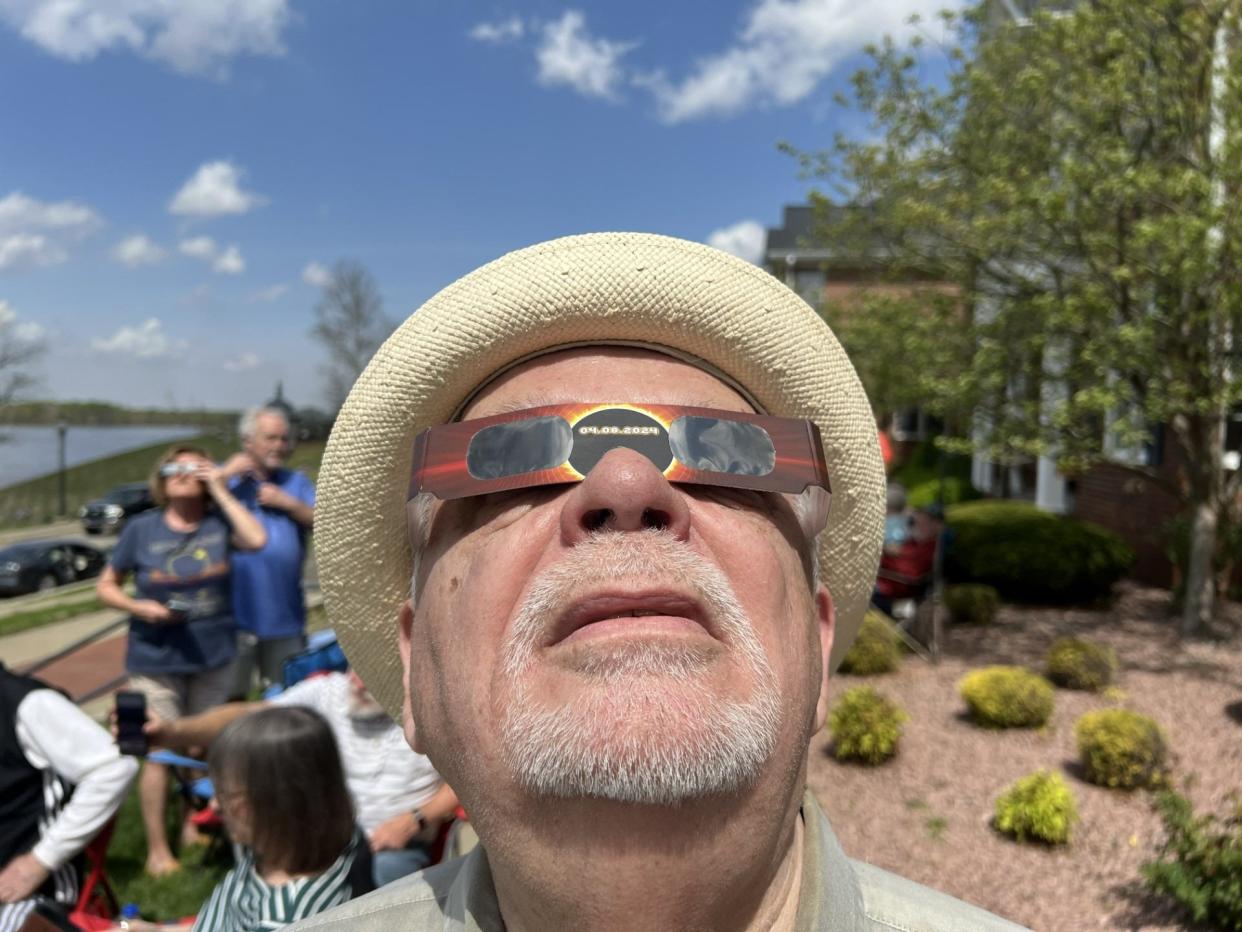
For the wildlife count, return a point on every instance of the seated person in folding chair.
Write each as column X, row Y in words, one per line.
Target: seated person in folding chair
column 61, row 780
column 401, row 800
column 297, row 846
column 906, row 566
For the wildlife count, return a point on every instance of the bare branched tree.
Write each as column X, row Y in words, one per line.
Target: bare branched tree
column 351, row 324
column 18, row 355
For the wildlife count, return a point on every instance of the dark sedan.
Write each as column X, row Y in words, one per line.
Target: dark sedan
column 112, row 511
column 39, row 565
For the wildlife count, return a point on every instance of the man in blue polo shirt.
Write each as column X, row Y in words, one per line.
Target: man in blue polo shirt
column 267, row 584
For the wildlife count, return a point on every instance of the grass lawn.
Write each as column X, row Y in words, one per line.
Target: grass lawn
column 160, row 898
column 36, row 500
column 33, row 618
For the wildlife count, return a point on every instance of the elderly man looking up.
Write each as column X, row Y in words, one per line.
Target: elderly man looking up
column 267, row 584
column 644, row 505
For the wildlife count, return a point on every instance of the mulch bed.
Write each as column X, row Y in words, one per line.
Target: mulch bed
column 925, row 814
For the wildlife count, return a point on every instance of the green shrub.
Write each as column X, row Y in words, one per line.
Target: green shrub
column 1200, row 862
column 1120, row 748
column 1030, row 555
column 865, row 726
column 954, row 490
column 1078, row 664
column 876, row 649
column 1007, row 697
column 1040, row 806
column 971, row 603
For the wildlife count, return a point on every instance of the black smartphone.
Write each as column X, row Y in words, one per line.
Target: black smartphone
column 179, row 605
column 131, row 715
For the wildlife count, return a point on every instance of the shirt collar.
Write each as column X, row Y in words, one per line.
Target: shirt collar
column 828, row 896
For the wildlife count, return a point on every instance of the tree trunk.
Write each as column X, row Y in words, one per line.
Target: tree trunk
column 1200, row 601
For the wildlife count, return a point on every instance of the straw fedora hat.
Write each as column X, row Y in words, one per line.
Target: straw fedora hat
column 697, row 303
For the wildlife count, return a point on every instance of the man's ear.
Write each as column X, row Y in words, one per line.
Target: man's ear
column 405, row 622
column 826, row 616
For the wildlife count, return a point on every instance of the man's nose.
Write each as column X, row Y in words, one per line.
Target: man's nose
column 624, row 492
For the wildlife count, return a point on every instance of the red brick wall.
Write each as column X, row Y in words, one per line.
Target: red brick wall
column 1132, row 506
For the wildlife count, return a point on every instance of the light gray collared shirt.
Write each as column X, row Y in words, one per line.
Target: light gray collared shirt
column 836, row 893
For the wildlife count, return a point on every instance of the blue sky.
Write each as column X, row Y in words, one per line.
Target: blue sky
column 177, row 175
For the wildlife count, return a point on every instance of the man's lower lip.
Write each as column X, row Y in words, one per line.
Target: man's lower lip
column 635, row 626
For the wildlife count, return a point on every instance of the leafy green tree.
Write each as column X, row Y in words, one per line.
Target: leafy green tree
column 1078, row 177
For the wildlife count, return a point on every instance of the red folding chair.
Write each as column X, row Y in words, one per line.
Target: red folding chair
column 97, row 903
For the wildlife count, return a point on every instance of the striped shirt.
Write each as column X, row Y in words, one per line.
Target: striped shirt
column 245, row 902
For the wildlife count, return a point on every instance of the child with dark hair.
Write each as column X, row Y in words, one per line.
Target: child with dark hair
column 278, row 779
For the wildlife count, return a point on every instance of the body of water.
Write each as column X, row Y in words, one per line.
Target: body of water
column 27, row 452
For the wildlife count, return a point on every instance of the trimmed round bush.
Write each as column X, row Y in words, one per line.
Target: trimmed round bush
column 865, row 726
column 1120, row 748
column 1029, row 555
column 1007, row 697
column 1039, row 806
column 971, row 603
column 876, row 649
column 1074, row 663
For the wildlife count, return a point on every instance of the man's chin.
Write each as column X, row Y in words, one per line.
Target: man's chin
column 649, row 738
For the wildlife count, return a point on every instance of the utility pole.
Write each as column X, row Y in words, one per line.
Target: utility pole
column 61, row 429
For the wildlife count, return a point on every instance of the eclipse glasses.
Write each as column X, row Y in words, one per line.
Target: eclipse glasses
column 555, row 444
column 168, row 470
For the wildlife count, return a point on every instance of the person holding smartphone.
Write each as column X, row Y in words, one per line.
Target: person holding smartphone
column 182, row 634
column 61, row 780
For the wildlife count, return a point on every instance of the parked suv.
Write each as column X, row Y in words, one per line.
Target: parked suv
column 112, row 511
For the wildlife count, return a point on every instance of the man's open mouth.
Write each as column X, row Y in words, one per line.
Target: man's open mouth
column 648, row 611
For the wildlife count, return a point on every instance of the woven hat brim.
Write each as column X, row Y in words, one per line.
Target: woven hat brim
column 597, row 288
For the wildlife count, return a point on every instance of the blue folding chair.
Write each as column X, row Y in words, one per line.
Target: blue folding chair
column 323, row 654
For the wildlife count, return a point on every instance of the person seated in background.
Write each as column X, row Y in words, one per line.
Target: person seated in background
column 896, row 518
column 400, row 798
column 282, row 795
column 61, row 780
column 906, row 568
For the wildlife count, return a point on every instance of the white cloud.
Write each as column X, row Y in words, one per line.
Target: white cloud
column 782, row 53
column 29, row 331
column 230, row 262
column 744, row 239
column 498, row 33
column 243, row 363
column 137, row 250
column 38, row 233
column 214, row 191
column 191, row 36
column 569, row 55
column 29, row 250
column 317, row 275
column 24, row 331
column 271, row 293
column 146, row 341
column 199, row 247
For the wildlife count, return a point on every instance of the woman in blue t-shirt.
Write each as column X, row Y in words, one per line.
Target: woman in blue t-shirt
column 181, row 637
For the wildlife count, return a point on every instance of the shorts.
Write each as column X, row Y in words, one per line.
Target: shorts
column 266, row 656
column 172, row 695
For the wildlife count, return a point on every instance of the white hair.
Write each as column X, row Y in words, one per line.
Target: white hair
column 248, row 422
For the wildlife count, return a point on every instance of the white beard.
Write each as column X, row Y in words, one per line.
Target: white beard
column 649, row 728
